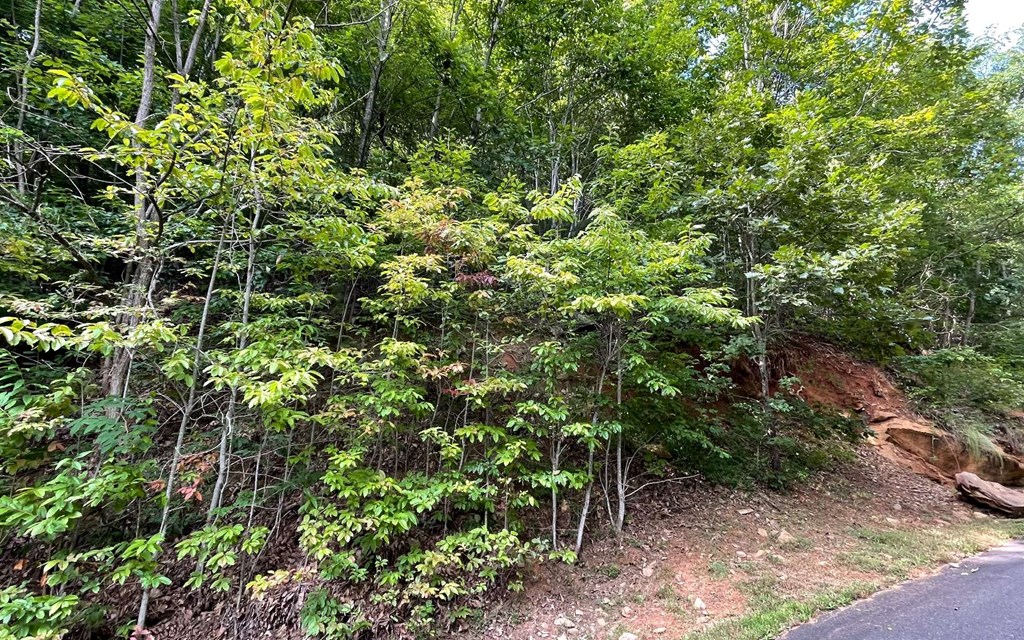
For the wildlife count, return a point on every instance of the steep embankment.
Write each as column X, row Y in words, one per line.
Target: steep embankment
column 835, row 380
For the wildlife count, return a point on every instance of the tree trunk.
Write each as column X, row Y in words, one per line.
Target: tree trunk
column 620, row 472
column 972, row 303
column 142, row 272
column 555, row 453
column 228, row 429
column 620, row 487
column 492, row 43
column 586, row 501
column 186, row 414
column 21, row 169
column 386, row 22
column 760, row 329
column 435, row 116
column 183, row 61
column 590, row 449
column 443, row 79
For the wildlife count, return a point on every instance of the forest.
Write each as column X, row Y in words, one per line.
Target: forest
column 336, row 314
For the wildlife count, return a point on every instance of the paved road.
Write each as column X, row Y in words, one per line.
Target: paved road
column 982, row 599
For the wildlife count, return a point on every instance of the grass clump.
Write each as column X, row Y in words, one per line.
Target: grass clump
column 718, row 570
column 774, row 613
column 896, row 554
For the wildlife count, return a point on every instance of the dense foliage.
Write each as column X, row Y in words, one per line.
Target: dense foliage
column 359, row 306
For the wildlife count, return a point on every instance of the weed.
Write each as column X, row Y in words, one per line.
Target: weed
column 635, row 543
column 797, row 544
column 760, row 591
column 666, row 593
column 976, row 436
column 610, row 571
column 671, row 601
column 718, row 570
column 747, row 567
column 616, row 632
column 894, row 554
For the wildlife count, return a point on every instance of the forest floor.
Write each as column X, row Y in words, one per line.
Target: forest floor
column 703, row 562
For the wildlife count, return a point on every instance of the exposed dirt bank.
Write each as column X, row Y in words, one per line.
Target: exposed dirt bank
column 839, row 382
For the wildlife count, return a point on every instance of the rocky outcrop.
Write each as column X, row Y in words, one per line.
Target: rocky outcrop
column 836, row 380
column 951, row 457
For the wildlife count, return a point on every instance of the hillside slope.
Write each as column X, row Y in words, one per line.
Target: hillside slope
column 696, row 556
column 709, row 561
column 836, row 381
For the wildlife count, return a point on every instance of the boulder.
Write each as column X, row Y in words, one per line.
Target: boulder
column 991, row 494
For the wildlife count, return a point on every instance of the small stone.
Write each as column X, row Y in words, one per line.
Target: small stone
column 648, row 572
column 760, row 552
column 897, row 507
column 740, row 554
column 762, row 532
column 699, row 605
column 745, row 512
column 562, row 621
column 892, row 521
column 980, row 516
column 626, row 611
column 573, row 631
column 601, row 622
column 785, row 537
column 660, row 630
column 628, row 636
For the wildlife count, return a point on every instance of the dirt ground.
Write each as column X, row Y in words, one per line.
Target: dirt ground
column 695, row 556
